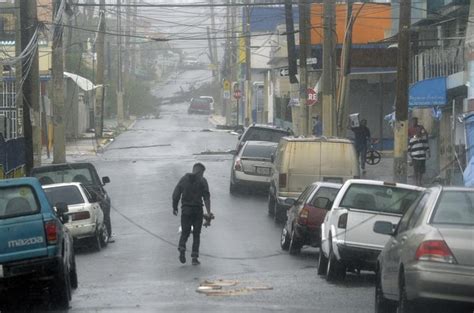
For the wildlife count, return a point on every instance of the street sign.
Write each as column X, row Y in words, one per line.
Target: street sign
column 284, row 71
column 309, row 61
column 226, row 94
column 237, row 94
column 312, row 96
column 226, row 85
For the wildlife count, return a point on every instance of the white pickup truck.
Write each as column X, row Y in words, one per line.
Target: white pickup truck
column 348, row 242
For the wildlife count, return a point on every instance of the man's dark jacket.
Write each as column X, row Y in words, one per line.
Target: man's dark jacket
column 191, row 189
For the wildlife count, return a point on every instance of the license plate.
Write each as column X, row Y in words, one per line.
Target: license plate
column 1, row 270
column 263, row 170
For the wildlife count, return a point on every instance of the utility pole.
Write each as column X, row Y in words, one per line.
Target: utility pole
column 120, row 115
column 215, row 68
column 345, row 71
column 329, row 70
column 401, row 106
column 248, row 67
column 233, row 58
column 99, row 78
column 227, row 66
column 211, row 51
column 31, row 90
column 57, row 73
column 305, row 50
column 134, row 31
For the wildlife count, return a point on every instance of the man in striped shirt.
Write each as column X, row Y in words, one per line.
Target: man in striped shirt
column 419, row 151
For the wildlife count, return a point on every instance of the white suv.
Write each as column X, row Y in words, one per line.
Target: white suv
column 348, row 241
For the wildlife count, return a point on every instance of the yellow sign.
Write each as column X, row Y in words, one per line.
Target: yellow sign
column 226, row 85
column 242, row 50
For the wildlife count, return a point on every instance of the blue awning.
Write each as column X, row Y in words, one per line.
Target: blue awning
column 428, row 93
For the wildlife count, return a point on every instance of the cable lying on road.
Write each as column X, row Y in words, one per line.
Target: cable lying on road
column 141, row 147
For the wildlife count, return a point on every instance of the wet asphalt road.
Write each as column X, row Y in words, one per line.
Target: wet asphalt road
column 140, row 272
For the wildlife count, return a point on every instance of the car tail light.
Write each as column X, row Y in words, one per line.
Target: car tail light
column 81, row 216
column 238, row 165
column 51, row 229
column 342, row 222
column 282, row 181
column 303, row 216
column 435, row 251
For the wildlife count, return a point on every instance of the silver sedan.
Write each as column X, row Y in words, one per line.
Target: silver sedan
column 430, row 255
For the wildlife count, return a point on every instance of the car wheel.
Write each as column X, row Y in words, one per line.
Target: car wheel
column 322, row 263
column 73, row 274
column 61, row 289
column 335, row 269
column 279, row 214
column 382, row 304
column 104, row 236
column 405, row 305
column 271, row 205
column 295, row 246
column 96, row 241
column 233, row 188
column 285, row 239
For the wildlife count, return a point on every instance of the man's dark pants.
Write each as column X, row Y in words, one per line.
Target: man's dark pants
column 361, row 154
column 191, row 216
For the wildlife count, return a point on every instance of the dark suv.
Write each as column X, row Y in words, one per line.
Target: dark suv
column 257, row 132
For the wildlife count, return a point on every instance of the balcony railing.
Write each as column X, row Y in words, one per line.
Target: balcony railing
column 437, row 62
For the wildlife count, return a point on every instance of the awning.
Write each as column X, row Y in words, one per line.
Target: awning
column 81, row 82
column 428, row 93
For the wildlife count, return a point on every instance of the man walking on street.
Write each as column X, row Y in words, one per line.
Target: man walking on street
column 192, row 189
column 419, row 151
column 362, row 137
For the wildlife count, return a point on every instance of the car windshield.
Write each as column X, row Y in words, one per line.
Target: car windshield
column 264, row 134
column 378, row 198
column 258, row 151
column 16, row 201
column 454, row 207
column 68, row 194
column 78, row 175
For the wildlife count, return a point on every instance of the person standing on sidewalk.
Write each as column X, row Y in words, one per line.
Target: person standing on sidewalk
column 419, row 151
column 192, row 189
column 362, row 137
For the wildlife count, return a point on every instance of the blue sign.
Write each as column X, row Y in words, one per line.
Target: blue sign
column 428, row 93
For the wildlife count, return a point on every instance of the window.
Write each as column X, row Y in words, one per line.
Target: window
column 259, row 151
column 415, row 210
column 305, row 194
column 79, row 175
column 67, row 194
column 264, row 134
column 381, row 198
column 455, row 208
column 324, row 192
column 16, row 201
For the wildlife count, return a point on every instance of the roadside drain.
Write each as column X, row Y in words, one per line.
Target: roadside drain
column 223, row 287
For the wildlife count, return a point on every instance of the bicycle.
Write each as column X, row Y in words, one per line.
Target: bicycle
column 373, row 155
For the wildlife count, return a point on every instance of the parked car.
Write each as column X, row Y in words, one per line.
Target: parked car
column 430, row 254
column 81, row 172
column 252, row 166
column 35, row 246
column 258, row 132
column 348, row 241
column 201, row 105
column 85, row 216
column 299, row 162
column 305, row 216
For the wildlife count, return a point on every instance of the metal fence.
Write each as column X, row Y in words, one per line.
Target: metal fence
column 437, row 62
column 8, row 110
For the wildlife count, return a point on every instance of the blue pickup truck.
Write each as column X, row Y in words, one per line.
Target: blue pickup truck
column 36, row 249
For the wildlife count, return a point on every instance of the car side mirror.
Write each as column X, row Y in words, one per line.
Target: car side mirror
column 62, row 210
column 384, row 228
column 289, row 201
column 105, row 180
column 272, row 157
column 240, row 136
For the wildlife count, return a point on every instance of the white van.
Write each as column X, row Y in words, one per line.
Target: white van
column 300, row 161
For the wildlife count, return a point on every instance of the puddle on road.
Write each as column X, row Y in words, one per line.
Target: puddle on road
column 223, row 287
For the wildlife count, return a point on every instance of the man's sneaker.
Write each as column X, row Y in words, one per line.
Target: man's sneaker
column 196, row 261
column 182, row 257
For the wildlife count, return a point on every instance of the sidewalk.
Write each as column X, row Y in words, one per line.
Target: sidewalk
column 87, row 145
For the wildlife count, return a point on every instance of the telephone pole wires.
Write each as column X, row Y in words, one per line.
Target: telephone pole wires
column 401, row 106
column 57, row 73
column 248, row 67
column 120, row 115
column 99, row 78
column 329, row 69
column 30, row 89
column 305, row 50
